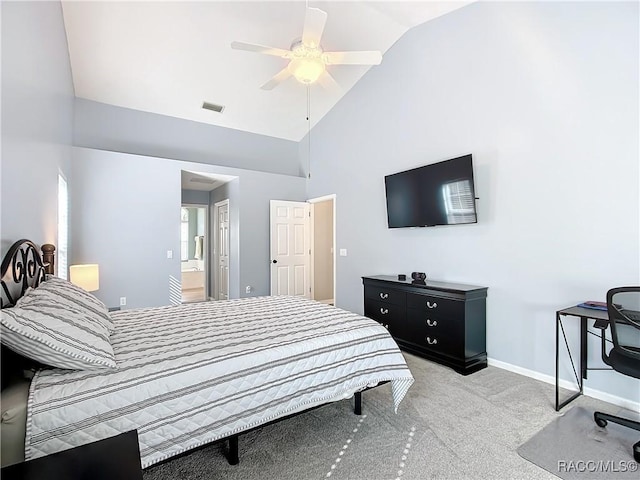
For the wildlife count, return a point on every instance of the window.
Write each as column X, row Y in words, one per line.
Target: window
column 63, row 226
column 184, row 235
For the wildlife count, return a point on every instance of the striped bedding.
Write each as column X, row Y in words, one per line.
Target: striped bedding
column 191, row 374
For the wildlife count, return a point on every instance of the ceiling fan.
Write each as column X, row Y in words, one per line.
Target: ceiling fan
column 307, row 59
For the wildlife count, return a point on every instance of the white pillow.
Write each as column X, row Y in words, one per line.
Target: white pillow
column 57, row 331
column 73, row 295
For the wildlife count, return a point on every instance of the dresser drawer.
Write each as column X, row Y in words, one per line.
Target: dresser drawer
column 383, row 294
column 429, row 321
column 392, row 317
column 436, row 305
column 382, row 311
column 441, row 334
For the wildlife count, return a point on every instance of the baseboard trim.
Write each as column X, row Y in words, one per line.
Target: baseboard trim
column 590, row 392
column 328, row 301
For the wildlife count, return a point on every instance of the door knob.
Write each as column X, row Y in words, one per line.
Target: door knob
column 275, row 261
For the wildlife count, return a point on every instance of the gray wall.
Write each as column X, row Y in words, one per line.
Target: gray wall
column 127, row 215
column 545, row 97
column 107, row 127
column 195, row 197
column 37, row 119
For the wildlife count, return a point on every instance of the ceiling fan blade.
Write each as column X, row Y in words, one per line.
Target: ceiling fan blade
column 250, row 47
column 314, row 22
column 353, row 58
column 277, row 79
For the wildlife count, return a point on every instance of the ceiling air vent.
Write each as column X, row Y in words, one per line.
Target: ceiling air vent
column 213, row 107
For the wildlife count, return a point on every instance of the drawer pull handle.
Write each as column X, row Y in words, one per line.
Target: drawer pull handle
column 432, row 342
column 384, row 311
column 431, row 305
column 431, row 323
column 384, row 295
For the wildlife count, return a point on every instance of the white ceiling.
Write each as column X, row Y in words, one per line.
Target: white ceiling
column 169, row 57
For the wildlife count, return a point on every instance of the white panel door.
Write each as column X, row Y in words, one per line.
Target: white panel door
column 222, row 253
column 290, row 248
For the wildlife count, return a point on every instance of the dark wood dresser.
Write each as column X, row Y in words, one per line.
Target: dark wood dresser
column 443, row 322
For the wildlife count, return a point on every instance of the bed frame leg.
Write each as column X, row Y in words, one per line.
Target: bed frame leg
column 233, row 450
column 357, row 409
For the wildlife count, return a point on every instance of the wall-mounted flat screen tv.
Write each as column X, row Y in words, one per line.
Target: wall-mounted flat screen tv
column 441, row 193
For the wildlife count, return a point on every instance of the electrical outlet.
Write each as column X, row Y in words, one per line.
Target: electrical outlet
column 343, row 252
column 169, row 253
column 248, row 289
column 123, row 301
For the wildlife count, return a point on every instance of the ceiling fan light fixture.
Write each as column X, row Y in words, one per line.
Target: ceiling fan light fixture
column 306, row 70
column 307, row 59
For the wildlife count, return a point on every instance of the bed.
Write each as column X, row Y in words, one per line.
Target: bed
column 188, row 375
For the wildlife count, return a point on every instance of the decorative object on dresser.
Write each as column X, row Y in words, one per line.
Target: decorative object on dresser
column 419, row 276
column 443, row 322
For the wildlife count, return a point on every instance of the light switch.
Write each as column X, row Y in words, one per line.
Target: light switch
column 343, row 252
column 169, row 253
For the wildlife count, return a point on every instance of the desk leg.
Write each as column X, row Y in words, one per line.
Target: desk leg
column 583, row 351
column 583, row 360
column 557, row 362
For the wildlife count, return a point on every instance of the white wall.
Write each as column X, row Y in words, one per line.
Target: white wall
column 126, row 215
column 545, row 97
column 37, row 119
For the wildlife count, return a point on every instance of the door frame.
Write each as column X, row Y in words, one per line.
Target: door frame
column 216, row 248
column 313, row 201
column 205, row 247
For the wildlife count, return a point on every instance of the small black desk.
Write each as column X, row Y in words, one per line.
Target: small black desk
column 585, row 314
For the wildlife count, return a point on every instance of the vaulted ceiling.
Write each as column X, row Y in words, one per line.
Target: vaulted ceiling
column 170, row 57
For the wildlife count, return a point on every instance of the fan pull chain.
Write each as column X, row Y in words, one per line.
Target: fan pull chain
column 309, row 128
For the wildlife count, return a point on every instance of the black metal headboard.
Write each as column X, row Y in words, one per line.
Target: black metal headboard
column 23, row 267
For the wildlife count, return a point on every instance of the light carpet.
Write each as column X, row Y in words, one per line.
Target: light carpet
column 448, row 427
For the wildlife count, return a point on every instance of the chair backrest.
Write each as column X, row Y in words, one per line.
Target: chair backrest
column 623, row 307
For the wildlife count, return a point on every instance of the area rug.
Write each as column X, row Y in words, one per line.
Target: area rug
column 574, row 447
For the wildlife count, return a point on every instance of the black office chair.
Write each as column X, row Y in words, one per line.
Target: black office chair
column 623, row 306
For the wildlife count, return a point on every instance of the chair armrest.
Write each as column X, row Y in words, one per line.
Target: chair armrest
column 601, row 324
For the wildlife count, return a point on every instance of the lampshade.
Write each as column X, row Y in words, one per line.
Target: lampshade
column 85, row 276
column 306, row 70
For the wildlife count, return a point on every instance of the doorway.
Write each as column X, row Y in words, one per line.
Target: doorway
column 193, row 252
column 303, row 246
column 323, row 249
column 221, row 248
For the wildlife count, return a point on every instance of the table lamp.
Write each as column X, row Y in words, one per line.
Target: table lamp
column 85, row 276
